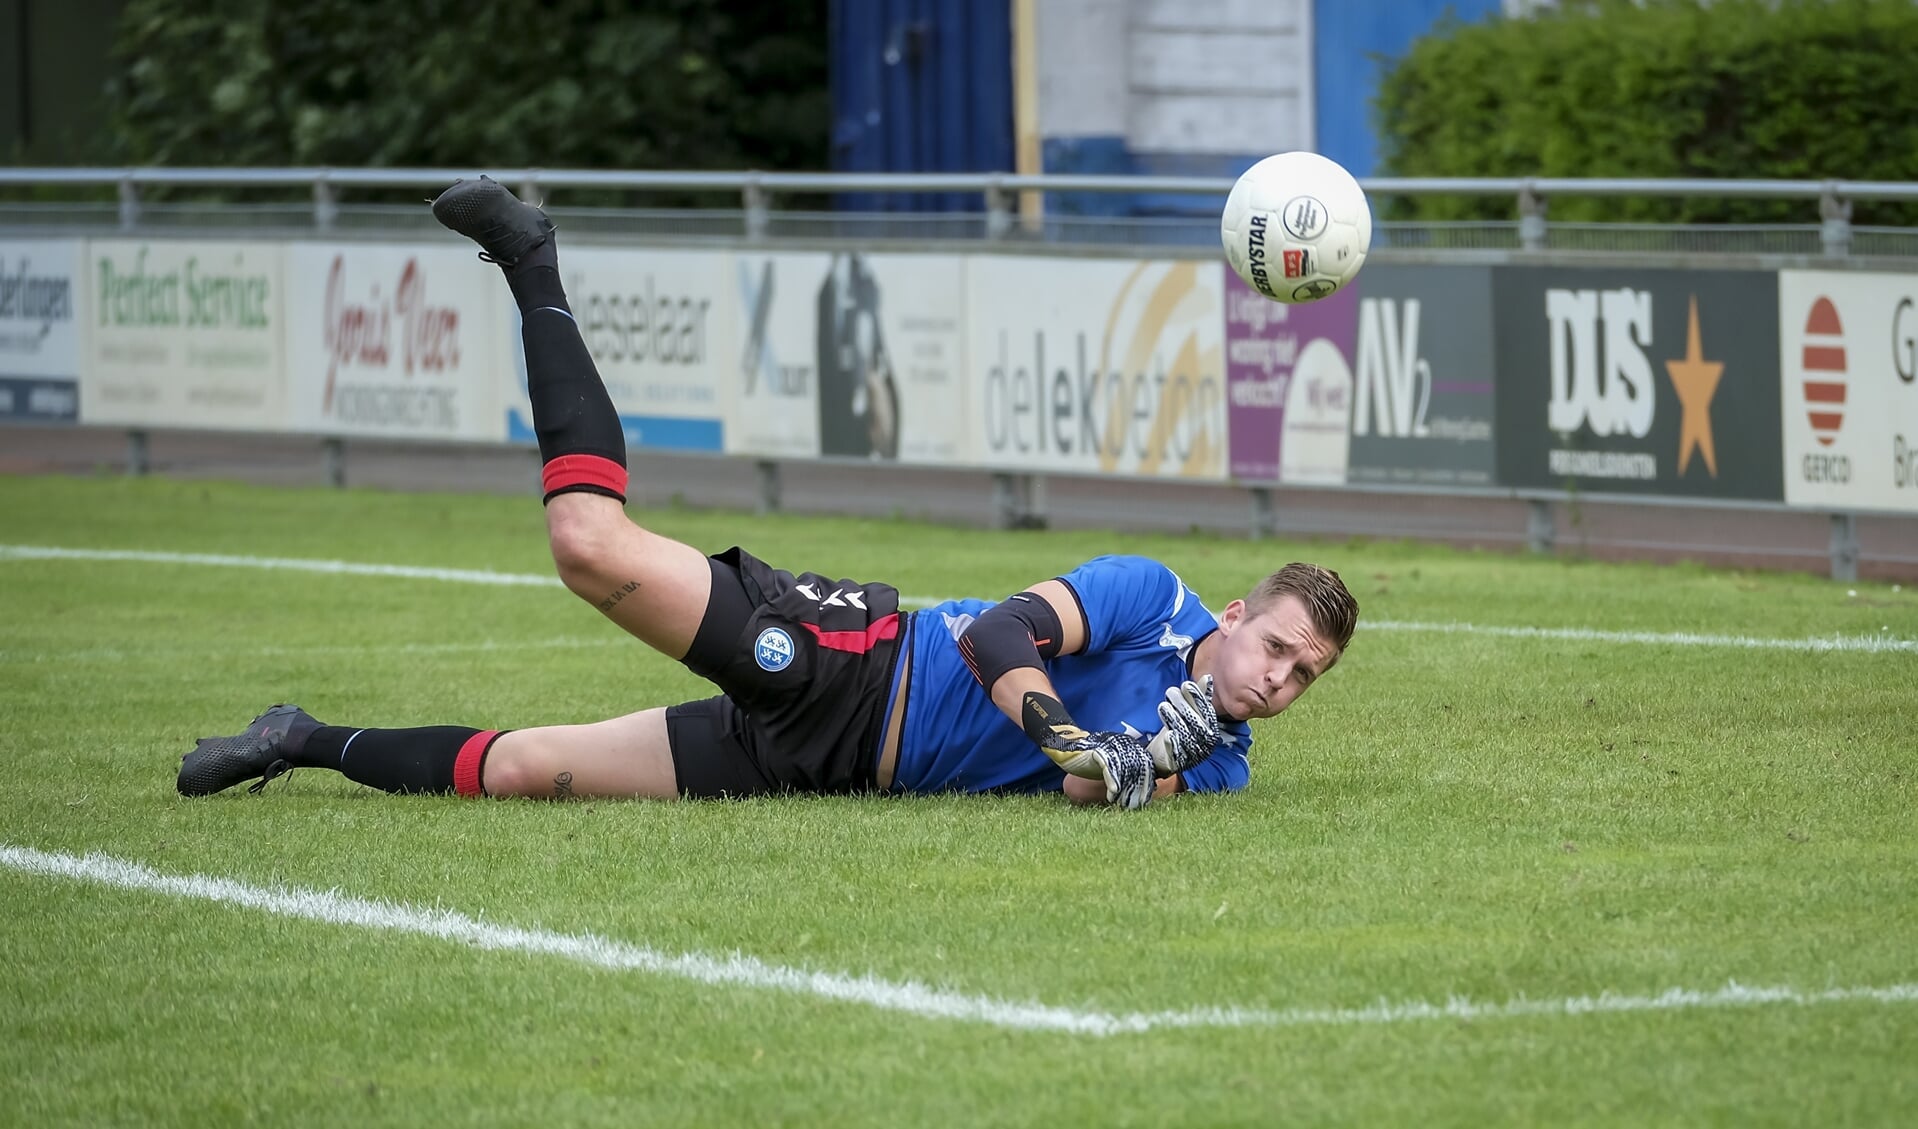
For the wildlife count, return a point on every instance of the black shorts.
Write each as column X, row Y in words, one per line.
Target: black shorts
column 806, row 664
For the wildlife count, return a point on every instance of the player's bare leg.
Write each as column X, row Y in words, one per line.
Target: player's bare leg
column 654, row 587
column 651, row 585
column 623, row 757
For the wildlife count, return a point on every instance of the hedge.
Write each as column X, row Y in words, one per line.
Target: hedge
column 1794, row 89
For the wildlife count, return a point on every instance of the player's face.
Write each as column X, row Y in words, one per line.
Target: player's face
column 1262, row 663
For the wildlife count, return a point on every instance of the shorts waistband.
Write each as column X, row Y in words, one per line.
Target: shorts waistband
column 892, row 719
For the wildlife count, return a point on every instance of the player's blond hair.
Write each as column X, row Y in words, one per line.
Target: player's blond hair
column 1335, row 614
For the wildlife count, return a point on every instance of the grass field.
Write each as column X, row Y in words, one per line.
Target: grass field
column 1522, row 824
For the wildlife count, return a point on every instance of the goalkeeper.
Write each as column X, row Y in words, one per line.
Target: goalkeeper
column 1111, row 683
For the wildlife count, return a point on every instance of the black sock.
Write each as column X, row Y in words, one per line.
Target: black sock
column 572, row 414
column 428, row 759
column 535, row 280
column 581, row 440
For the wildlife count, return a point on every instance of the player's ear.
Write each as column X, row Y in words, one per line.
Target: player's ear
column 1230, row 617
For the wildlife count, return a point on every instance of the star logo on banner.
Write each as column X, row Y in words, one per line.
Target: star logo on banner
column 1695, row 379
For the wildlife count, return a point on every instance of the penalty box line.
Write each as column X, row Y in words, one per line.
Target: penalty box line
column 1859, row 644
column 907, row 997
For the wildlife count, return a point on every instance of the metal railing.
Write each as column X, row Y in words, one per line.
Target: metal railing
column 999, row 195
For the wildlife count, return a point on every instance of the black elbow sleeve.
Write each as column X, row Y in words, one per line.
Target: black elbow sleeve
column 1021, row 631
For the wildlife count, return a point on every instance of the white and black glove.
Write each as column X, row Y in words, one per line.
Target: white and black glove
column 1120, row 759
column 1191, row 728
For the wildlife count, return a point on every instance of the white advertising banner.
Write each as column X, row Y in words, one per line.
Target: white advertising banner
column 1848, row 358
column 399, row 342
column 1097, row 365
column 852, row 355
column 662, row 330
column 892, row 359
column 184, row 334
column 776, row 377
column 42, row 299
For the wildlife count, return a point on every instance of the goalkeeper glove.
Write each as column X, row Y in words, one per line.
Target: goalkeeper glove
column 1191, row 728
column 1120, row 759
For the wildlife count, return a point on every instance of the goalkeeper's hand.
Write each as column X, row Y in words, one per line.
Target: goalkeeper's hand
column 1120, row 759
column 1191, row 728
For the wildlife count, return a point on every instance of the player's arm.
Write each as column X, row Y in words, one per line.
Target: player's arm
column 1006, row 649
column 1127, row 600
column 1082, row 791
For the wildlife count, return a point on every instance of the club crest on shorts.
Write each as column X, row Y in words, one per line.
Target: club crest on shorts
column 773, row 650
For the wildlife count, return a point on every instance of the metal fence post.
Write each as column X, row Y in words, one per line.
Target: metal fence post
column 1835, row 233
column 1541, row 529
column 129, row 204
column 1265, row 519
column 529, row 189
column 1844, row 547
column 1531, row 218
column 1005, row 503
column 1018, row 501
column 333, row 459
column 1036, row 501
column 326, row 206
column 758, row 219
column 768, row 475
column 998, row 211
column 138, row 459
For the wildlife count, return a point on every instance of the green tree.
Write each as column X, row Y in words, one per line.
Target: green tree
column 683, row 84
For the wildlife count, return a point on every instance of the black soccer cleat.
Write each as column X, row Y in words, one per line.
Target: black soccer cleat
column 218, row 763
column 505, row 227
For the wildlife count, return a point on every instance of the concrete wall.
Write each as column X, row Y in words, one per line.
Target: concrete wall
column 1164, row 86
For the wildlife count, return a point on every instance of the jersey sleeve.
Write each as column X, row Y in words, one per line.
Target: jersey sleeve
column 1125, row 599
column 1226, row 770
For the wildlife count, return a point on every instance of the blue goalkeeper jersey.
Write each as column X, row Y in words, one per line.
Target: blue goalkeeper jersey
column 1142, row 623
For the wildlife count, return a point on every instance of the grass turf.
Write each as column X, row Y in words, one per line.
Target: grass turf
column 1445, row 814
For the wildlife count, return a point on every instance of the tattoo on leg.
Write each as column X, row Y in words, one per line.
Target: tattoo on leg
column 563, row 786
column 620, row 593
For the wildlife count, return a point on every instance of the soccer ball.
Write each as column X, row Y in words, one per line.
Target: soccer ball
column 1296, row 227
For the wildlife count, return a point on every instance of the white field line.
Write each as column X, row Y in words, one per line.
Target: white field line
column 156, row 654
column 908, row 997
column 295, row 564
column 1868, row 644
column 1864, row 644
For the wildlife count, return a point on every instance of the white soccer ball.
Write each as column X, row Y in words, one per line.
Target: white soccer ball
column 1296, row 227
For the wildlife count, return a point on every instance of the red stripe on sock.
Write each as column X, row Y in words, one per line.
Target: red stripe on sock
column 583, row 470
column 858, row 642
column 467, row 764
